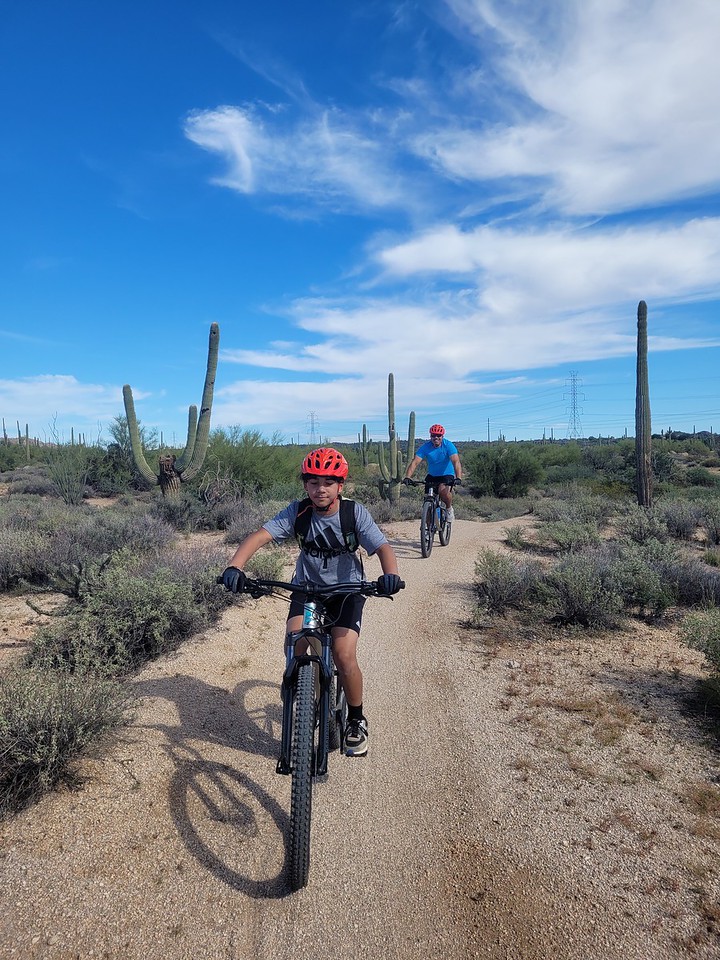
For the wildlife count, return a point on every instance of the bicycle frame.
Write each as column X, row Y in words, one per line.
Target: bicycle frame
column 319, row 640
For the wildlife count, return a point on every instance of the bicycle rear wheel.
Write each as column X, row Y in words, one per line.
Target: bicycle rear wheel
column 427, row 530
column 302, row 776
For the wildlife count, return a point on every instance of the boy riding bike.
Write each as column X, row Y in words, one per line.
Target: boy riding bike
column 328, row 555
column 443, row 465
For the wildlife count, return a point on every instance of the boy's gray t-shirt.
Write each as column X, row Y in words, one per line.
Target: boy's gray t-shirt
column 325, row 533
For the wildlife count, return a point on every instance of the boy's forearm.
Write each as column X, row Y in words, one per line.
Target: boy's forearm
column 250, row 545
column 387, row 558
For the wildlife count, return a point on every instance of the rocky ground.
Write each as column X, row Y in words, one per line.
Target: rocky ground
column 522, row 799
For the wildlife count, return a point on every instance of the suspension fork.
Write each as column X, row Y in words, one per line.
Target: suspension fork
column 318, row 641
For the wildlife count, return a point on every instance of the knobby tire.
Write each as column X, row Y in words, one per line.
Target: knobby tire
column 302, row 777
column 427, row 532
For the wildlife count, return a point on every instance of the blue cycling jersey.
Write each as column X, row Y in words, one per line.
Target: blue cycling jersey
column 438, row 459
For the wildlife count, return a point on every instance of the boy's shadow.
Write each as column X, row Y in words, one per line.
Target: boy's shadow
column 218, row 809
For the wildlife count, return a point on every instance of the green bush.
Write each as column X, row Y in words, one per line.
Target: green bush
column 681, row 517
column 701, row 631
column 129, row 620
column 568, row 535
column 641, row 524
column 700, row 477
column 503, row 581
column 579, row 591
column 502, row 470
column 47, row 719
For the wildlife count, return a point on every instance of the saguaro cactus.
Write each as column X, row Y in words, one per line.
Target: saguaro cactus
column 174, row 471
column 392, row 475
column 364, row 444
column 643, row 434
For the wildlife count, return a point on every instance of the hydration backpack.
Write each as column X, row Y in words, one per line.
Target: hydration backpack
column 347, row 523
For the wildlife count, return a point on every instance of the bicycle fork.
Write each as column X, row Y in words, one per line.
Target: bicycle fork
column 293, row 662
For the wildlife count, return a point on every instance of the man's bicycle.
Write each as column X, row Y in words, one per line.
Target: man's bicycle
column 433, row 518
column 314, row 706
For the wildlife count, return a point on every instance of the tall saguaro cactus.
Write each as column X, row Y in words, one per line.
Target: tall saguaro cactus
column 643, row 434
column 393, row 474
column 174, row 471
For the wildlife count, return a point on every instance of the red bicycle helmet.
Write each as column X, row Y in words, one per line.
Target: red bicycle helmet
column 325, row 462
column 437, row 430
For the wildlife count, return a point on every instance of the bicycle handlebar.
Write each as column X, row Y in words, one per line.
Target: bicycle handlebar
column 259, row 588
column 456, row 481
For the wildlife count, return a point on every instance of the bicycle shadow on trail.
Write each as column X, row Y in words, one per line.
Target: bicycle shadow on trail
column 221, row 813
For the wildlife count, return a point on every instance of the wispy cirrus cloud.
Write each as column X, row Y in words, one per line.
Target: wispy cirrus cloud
column 615, row 109
column 321, row 157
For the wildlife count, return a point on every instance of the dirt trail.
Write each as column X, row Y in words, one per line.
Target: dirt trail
column 464, row 833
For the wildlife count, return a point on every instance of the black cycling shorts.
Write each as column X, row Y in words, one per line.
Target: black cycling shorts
column 436, row 481
column 345, row 609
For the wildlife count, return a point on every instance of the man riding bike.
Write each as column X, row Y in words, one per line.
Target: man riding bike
column 443, row 465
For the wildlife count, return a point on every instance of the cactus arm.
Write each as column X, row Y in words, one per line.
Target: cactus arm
column 140, row 462
column 203, row 427
column 381, row 462
column 185, row 456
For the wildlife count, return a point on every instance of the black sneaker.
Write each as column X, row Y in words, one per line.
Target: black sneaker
column 356, row 738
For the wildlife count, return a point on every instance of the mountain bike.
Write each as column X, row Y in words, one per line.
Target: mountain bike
column 314, row 710
column 433, row 517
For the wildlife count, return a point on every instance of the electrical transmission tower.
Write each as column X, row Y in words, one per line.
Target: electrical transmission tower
column 574, row 428
column 312, row 428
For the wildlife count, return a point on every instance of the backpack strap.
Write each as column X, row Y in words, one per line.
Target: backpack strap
column 347, row 523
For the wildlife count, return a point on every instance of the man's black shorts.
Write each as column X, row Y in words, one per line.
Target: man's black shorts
column 435, row 482
column 345, row 609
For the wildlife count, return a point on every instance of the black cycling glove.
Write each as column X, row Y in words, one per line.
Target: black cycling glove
column 234, row 579
column 388, row 584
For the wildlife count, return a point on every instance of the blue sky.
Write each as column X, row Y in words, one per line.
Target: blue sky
column 471, row 194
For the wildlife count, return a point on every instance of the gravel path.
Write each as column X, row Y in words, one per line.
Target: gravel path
column 494, row 817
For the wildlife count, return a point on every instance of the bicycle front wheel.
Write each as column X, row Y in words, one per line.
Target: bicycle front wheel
column 302, row 775
column 427, row 529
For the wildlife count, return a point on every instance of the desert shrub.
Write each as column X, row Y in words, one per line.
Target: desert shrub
column 689, row 581
column 247, row 515
column 129, row 620
column 569, row 473
column 568, row 535
column 502, row 470
column 641, row 524
column 515, row 536
column 47, row 719
column 184, row 512
column 681, row 517
column 701, row 631
column 267, row 564
column 36, row 484
column 700, row 477
column 632, row 575
column 68, row 468
column 710, row 523
column 712, row 557
column 495, row 508
column 576, row 506
column 23, row 556
column 580, row 591
column 502, row 581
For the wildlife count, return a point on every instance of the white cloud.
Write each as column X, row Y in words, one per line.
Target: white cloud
column 568, row 268
column 620, row 109
column 322, row 157
column 56, row 402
